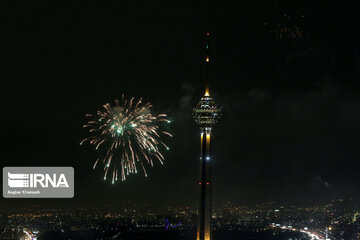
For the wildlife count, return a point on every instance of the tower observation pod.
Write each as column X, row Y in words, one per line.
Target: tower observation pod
column 206, row 115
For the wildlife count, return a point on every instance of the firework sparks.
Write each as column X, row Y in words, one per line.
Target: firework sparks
column 130, row 135
column 287, row 25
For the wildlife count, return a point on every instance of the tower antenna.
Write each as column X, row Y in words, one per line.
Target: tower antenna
column 207, row 62
column 207, row 48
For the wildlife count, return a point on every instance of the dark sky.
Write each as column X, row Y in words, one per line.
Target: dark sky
column 285, row 72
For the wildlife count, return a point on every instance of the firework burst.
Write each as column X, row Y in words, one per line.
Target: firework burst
column 130, row 135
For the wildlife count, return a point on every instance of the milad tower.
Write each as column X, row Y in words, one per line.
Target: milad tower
column 206, row 115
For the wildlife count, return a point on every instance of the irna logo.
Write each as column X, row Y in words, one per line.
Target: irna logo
column 18, row 180
column 38, row 182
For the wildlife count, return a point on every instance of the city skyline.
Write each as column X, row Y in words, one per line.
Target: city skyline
column 335, row 219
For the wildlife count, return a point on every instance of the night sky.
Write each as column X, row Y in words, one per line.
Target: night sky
column 285, row 73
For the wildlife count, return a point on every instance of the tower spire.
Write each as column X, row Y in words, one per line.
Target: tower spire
column 207, row 62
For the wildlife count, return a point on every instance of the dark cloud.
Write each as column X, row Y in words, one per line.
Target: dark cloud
column 186, row 101
column 298, row 142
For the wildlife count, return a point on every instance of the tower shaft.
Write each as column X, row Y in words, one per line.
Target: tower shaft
column 204, row 231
